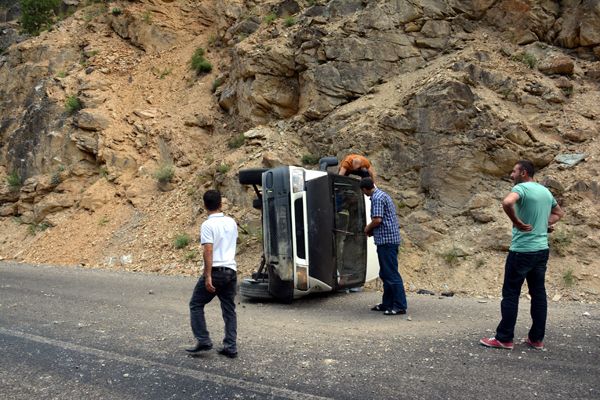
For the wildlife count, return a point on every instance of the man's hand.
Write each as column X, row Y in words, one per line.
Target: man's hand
column 523, row 227
column 208, row 284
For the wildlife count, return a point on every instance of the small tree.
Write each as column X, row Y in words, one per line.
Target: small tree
column 37, row 14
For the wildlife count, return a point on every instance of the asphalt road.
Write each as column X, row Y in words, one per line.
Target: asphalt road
column 69, row 333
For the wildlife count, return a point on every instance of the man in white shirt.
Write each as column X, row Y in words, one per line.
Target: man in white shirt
column 218, row 236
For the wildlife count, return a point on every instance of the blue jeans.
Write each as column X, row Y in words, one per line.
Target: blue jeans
column 530, row 266
column 394, row 297
column 225, row 281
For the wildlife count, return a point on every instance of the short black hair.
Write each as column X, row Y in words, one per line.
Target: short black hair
column 212, row 200
column 527, row 166
column 366, row 183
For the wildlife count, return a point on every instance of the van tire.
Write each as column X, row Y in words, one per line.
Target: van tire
column 254, row 289
column 251, row 176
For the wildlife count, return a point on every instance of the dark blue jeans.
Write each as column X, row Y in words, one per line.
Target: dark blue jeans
column 394, row 297
column 519, row 267
column 225, row 281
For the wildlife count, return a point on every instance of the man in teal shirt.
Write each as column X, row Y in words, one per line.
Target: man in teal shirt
column 533, row 212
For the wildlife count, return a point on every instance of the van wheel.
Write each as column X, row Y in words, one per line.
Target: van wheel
column 254, row 289
column 251, row 176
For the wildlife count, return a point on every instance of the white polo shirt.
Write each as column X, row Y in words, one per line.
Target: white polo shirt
column 222, row 232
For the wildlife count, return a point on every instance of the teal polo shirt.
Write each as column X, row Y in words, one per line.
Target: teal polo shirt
column 533, row 207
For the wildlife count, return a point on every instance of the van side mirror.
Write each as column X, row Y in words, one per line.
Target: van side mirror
column 326, row 162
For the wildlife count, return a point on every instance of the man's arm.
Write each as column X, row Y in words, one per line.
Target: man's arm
column 375, row 222
column 207, row 252
column 508, row 204
column 555, row 215
column 342, row 171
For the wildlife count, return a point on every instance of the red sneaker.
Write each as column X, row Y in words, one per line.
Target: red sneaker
column 535, row 345
column 495, row 343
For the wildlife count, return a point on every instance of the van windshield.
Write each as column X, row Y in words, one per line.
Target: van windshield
column 350, row 240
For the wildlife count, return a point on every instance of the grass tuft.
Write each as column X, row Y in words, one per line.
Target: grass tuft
column 182, row 240
column 237, row 141
column 310, row 159
column 526, row 58
column 568, row 278
column 199, row 63
column 73, row 104
column 14, row 181
column 223, row 168
column 165, row 173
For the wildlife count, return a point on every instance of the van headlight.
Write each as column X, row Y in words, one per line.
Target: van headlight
column 297, row 180
column 301, row 277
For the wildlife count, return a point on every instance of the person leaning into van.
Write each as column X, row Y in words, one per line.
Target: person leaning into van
column 354, row 164
column 218, row 236
column 385, row 229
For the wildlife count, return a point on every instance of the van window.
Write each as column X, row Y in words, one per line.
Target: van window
column 299, row 220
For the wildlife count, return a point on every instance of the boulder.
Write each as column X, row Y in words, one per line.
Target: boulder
column 421, row 236
column 52, row 203
column 557, row 65
column 589, row 29
column 8, row 195
column 86, row 141
column 287, row 8
column 91, row 121
column 149, row 37
column 141, row 191
column 8, row 209
column 97, row 195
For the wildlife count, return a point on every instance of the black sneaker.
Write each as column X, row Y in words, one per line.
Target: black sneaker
column 228, row 353
column 394, row 312
column 199, row 347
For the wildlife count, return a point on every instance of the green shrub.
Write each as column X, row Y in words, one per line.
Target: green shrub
column 73, row 104
column 310, row 159
column 55, row 179
column 33, row 229
column 569, row 278
column 37, row 15
column 191, row 255
column 236, row 141
column 289, row 21
column 14, row 181
column 223, row 168
column 526, row 58
column 147, row 17
column 452, row 256
column 270, row 18
column 61, row 74
column 116, row 11
column 161, row 74
column 199, row 63
column 164, row 173
column 182, row 240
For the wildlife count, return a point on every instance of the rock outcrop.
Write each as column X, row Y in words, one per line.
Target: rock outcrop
column 443, row 96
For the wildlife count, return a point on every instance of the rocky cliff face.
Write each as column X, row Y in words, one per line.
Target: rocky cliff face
column 442, row 95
